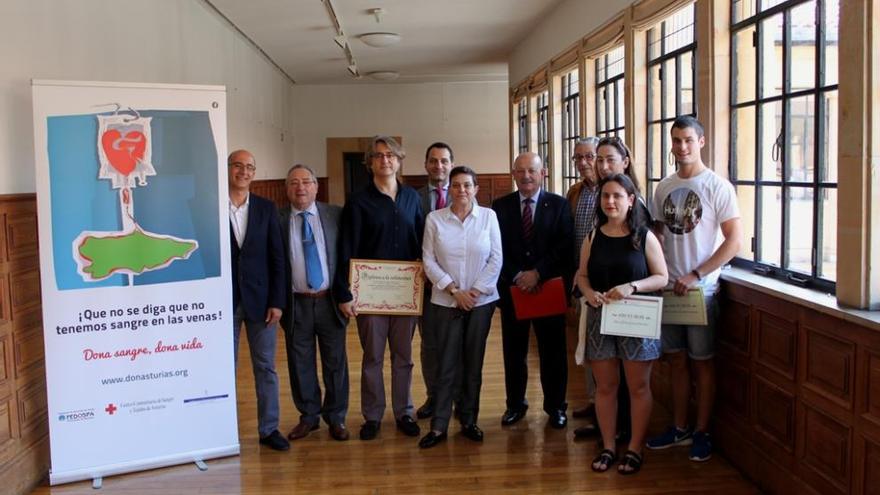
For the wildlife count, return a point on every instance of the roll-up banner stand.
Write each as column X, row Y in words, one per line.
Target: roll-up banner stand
column 135, row 272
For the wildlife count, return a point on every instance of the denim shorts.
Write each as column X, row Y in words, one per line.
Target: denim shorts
column 698, row 340
column 600, row 347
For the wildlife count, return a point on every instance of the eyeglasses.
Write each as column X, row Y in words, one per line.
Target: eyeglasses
column 387, row 156
column 297, row 182
column 588, row 156
column 250, row 167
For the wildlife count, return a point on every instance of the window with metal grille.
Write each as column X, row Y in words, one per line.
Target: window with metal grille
column 542, row 107
column 522, row 110
column 671, row 92
column 609, row 94
column 783, row 153
column 570, row 126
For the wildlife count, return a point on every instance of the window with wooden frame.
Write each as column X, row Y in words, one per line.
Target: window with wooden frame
column 671, row 74
column 570, row 126
column 783, row 154
column 610, row 94
column 542, row 109
column 522, row 119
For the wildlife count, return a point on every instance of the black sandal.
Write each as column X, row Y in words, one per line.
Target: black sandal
column 630, row 464
column 606, row 459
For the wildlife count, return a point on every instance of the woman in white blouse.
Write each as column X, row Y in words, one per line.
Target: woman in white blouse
column 462, row 255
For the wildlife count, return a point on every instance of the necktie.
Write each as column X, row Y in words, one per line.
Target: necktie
column 527, row 225
column 313, row 262
column 441, row 200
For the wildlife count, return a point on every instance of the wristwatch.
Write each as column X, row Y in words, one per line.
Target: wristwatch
column 633, row 285
column 697, row 274
column 453, row 289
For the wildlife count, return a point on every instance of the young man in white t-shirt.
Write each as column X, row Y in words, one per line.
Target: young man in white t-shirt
column 697, row 219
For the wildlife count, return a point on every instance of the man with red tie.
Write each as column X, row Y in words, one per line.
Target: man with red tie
column 439, row 160
column 537, row 240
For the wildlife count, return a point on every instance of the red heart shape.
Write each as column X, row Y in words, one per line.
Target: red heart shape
column 124, row 151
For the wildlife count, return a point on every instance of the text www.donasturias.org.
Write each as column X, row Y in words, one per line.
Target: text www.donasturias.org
column 145, row 376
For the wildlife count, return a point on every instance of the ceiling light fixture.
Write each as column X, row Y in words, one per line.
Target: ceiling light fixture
column 384, row 75
column 380, row 40
column 377, row 13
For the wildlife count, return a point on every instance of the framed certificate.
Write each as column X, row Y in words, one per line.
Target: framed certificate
column 387, row 287
column 689, row 309
column 634, row 316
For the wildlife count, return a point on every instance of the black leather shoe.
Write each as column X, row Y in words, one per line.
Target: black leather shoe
column 558, row 420
column 427, row 409
column 512, row 416
column 472, row 432
column 369, row 430
column 338, row 432
column 408, row 426
column 586, row 431
column 275, row 441
column 431, row 439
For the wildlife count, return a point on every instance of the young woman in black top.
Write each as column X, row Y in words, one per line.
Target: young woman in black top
column 620, row 258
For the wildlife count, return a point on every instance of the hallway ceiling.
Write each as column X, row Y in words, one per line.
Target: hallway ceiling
column 442, row 40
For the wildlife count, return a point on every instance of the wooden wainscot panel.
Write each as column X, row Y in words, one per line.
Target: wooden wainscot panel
column 5, row 358
column 29, row 350
column 776, row 343
column 25, row 289
column 870, row 477
column 5, row 303
column 32, row 411
column 7, row 428
column 774, row 413
column 826, row 452
column 829, row 367
column 735, row 332
column 3, row 236
column 271, row 189
column 871, row 409
column 415, row 181
column 733, row 392
column 21, row 233
column 27, row 468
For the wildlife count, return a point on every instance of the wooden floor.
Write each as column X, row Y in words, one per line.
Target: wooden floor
column 526, row 458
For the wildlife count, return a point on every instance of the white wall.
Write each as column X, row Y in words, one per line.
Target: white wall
column 470, row 116
column 168, row 41
column 569, row 22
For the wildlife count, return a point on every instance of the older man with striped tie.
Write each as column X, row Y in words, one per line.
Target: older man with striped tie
column 537, row 239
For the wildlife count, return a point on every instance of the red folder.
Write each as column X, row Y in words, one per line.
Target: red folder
column 548, row 300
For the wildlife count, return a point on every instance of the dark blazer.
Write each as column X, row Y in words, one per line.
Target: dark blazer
column 550, row 249
column 330, row 217
column 425, row 195
column 258, row 266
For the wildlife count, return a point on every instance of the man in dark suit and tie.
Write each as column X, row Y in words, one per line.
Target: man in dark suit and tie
column 257, row 287
column 439, row 161
column 310, row 231
column 536, row 238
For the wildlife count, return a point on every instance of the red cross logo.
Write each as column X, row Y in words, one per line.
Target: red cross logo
column 110, row 409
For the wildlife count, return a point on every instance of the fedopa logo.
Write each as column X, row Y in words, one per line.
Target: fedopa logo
column 80, row 415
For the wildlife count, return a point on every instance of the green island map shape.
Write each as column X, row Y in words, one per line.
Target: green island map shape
column 134, row 252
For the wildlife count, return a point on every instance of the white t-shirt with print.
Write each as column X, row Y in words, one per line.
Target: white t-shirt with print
column 692, row 211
